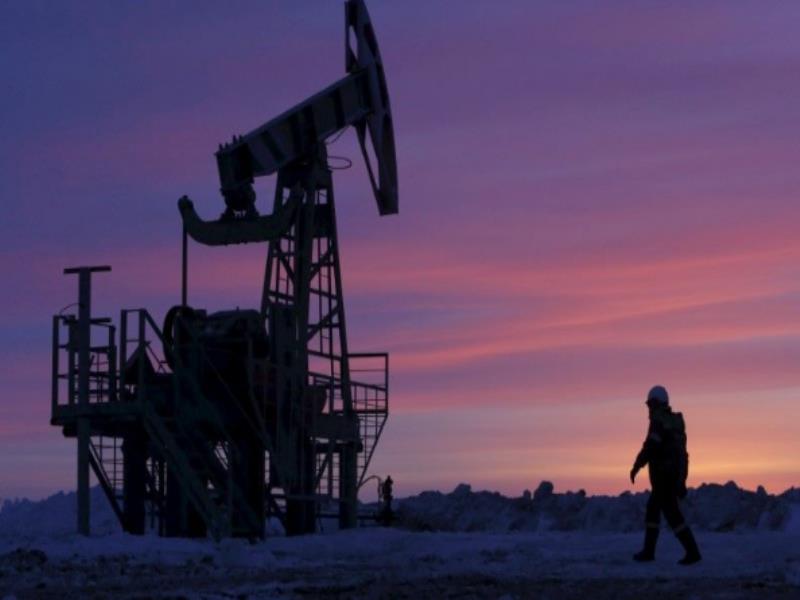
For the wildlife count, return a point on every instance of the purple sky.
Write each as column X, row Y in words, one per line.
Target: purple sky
column 595, row 197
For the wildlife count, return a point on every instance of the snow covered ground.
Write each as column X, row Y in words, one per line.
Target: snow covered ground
column 755, row 558
column 390, row 562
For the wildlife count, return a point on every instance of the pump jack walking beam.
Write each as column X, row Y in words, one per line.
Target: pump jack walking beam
column 360, row 99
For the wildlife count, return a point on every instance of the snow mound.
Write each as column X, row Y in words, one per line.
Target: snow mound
column 711, row 507
column 55, row 516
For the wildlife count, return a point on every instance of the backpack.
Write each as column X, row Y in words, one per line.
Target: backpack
column 680, row 454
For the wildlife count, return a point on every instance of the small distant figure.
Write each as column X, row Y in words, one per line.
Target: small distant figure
column 386, row 516
column 664, row 451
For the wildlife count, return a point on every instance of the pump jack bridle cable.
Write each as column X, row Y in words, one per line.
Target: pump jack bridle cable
column 336, row 137
column 346, row 162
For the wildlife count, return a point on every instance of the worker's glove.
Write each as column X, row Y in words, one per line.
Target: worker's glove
column 633, row 475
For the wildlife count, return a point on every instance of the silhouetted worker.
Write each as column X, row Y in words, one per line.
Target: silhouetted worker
column 387, row 515
column 664, row 451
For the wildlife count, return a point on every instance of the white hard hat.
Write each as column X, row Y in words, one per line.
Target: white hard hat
column 658, row 396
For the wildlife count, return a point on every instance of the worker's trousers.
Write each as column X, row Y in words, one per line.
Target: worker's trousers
column 664, row 499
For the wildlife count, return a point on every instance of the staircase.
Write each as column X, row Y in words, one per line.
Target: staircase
column 202, row 470
column 370, row 395
column 182, row 459
column 105, row 459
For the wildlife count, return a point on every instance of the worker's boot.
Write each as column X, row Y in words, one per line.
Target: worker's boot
column 648, row 553
column 686, row 538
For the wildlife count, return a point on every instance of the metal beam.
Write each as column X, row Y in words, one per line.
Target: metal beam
column 83, row 345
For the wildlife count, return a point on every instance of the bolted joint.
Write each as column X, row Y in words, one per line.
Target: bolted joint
column 239, row 201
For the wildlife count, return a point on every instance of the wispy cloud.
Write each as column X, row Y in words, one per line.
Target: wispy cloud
column 602, row 197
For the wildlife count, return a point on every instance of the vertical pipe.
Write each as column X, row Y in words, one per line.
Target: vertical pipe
column 112, row 364
column 72, row 343
column 56, row 351
column 123, row 347
column 80, row 343
column 84, row 343
column 348, row 458
column 386, row 374
column 134, row 482
column 142, row 356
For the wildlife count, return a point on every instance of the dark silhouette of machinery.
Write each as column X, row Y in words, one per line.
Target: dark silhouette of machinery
column 214, row 421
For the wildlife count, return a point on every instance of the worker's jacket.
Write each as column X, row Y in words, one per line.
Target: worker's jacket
column 664, row 449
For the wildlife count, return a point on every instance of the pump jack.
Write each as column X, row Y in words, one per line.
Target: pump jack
column 247, row 413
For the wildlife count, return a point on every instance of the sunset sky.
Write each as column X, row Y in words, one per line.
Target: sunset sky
column 595, row 197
